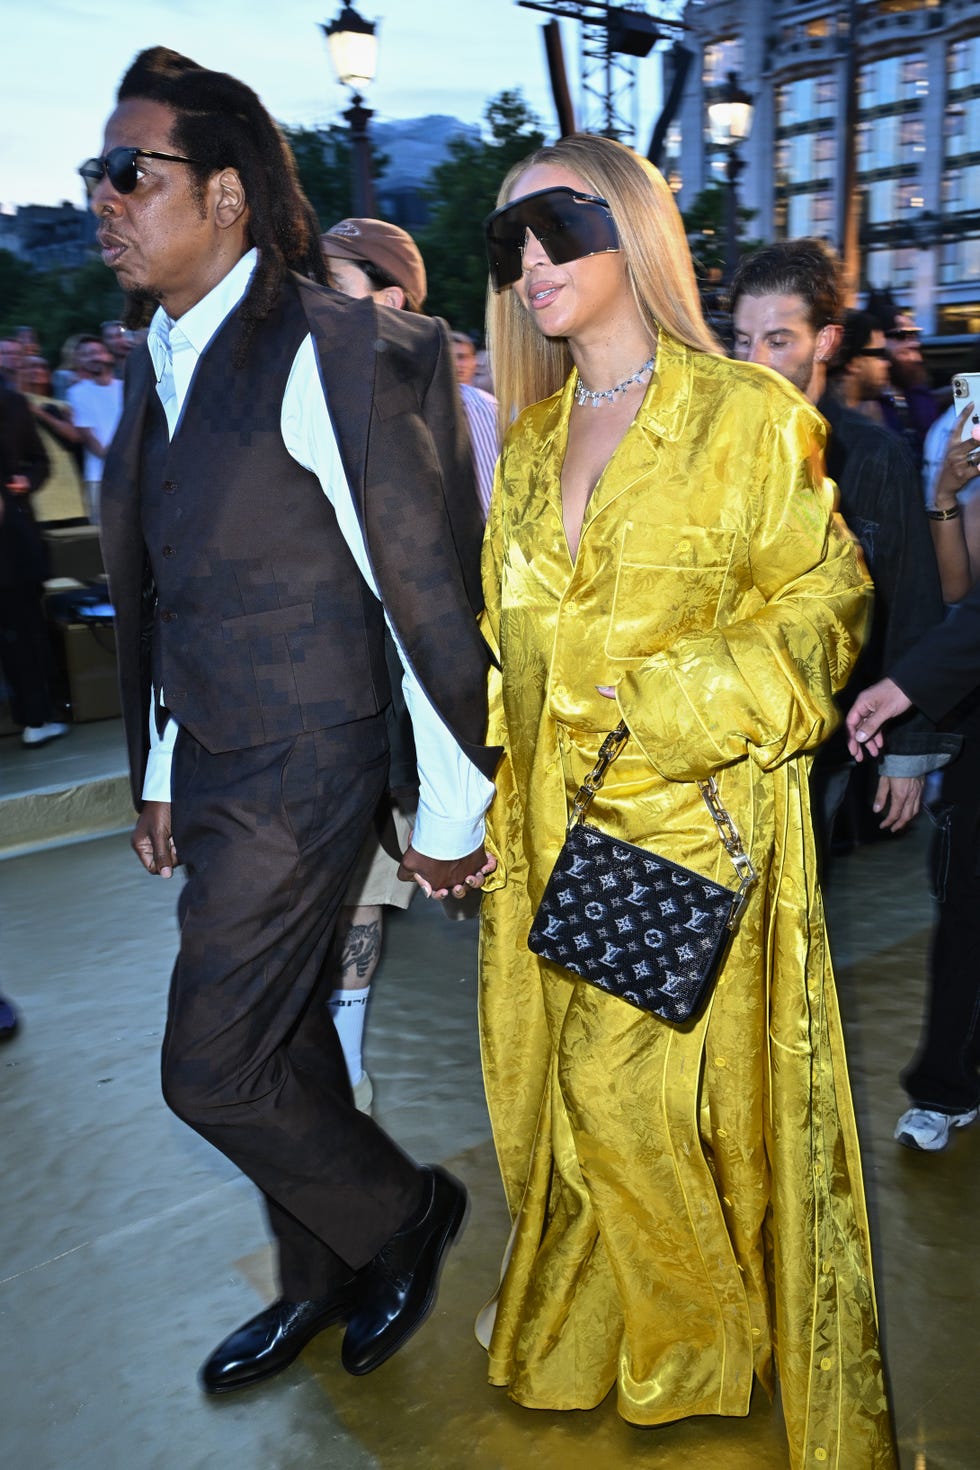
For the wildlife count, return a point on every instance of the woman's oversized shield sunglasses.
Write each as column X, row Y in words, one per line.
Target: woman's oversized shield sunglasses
column 569, row 226
column 119, row 165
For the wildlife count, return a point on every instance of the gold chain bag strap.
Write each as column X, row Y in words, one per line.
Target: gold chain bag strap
column 633, row 923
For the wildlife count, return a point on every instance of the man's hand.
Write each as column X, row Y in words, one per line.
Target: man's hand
column 151, row 840
column 900, row 798
column 440, row 877
column 883, row 701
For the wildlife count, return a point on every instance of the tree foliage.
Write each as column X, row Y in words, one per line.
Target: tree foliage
column 706, row 223
column 324, row 164
column 461, row 192
column 56, row 303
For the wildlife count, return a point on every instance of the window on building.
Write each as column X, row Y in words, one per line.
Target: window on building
column 906, row 195
column 822, row 210
column 954, row 122
column 949, row 262
column 823, row 148
column 878, row 267
column 818, row 27
column 825, row 90
column 956, row 63
column 950, row 189
column 898, row 7
column 914, row 76
column 720, row 58
column 912, row 134
column 970, row 258
column 904, row 263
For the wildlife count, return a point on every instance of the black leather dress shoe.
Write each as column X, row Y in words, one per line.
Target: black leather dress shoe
column 397, row 1289
column 269, row 1342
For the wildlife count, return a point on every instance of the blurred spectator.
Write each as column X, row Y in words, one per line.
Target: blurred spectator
column 96, row 405
column 119, row 341
column 61, row 497
column 908, row 405
column 481, row 416
column 25, row 651
column 11, row 358
column 464, row 357
column 66, row 372
column 482, row 376
column 27, row 337
column 858, row 374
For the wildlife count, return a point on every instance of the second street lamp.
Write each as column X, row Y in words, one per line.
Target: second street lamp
column 353, row 48
column 729, row 123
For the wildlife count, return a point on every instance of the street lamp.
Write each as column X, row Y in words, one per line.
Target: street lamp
column 353, row 48
column 729, row 123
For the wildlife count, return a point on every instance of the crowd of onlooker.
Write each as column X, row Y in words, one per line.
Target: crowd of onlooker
column 76, row 407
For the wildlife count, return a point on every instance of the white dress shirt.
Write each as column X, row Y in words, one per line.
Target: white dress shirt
column 453, row 794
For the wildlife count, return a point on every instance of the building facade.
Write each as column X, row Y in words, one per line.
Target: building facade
column 867, row 117
column 48, row 236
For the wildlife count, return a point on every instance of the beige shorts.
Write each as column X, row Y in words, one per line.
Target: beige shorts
column 375, row 878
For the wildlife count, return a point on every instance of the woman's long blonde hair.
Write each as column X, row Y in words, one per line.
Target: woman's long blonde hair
column 528, row 366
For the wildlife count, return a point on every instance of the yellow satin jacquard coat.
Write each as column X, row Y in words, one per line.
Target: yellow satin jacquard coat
column 687, row 1201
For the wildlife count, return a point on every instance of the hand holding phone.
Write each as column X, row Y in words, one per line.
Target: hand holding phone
column 966, row 390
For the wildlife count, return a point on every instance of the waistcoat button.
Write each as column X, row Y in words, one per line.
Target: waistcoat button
column 169, row 486
column 169, row 551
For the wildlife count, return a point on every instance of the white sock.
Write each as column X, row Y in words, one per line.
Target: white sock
column 349, row 1011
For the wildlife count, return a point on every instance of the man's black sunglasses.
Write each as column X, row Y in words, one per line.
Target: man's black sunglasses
column 881, row 352
column 904, row 334
column 120, row 166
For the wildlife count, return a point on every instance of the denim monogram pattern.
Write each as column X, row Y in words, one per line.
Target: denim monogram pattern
column 632, row 923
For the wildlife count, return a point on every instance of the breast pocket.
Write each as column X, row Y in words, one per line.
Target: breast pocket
column 669, row 584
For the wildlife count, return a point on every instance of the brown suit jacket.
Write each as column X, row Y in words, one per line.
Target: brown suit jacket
column 390, row 390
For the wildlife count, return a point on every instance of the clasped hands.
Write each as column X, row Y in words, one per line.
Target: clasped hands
column 441, row 878
column 438, row 878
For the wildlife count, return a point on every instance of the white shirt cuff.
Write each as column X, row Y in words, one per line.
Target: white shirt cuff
column 156, row 782
column 440, row 837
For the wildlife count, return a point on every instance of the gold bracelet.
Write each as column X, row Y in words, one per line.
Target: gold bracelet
column 943, row 515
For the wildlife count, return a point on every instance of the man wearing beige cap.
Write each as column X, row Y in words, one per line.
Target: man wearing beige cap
column 369, row 257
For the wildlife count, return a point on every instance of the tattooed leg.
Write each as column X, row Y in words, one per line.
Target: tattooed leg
column 353, row 960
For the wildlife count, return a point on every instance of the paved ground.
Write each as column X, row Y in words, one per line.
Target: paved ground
column 128, row 1247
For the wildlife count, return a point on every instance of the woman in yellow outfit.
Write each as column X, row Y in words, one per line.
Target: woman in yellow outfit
column 687, row 1200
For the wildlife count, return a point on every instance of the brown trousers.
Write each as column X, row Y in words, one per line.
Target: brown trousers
column 251, row 1059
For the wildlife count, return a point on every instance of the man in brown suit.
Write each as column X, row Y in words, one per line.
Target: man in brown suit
column 290, row 472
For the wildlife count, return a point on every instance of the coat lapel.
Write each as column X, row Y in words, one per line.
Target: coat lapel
column 345, row 339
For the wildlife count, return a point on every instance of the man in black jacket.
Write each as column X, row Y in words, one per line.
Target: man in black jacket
column 786, row 311
column 290, row 473
column 939, row 674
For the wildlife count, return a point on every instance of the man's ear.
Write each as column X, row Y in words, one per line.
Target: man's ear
column 392, row 296
column 828, row 341
column 228, row 192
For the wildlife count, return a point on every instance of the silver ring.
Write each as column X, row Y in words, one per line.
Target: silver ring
column 973, row 458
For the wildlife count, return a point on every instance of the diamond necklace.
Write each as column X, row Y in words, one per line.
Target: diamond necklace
column 597, row 396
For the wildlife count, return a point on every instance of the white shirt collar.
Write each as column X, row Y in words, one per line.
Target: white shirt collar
column 198, row 325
